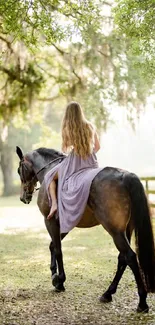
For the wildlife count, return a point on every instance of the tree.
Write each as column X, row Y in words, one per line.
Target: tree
column 20, row 80
column 92, row 63
column 71, row 48
column 33, row 21
column 28, row 132
column 99, row 76
column 26, row 24
column 135, row 20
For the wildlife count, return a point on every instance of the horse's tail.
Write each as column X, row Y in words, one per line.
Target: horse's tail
column 140, row 214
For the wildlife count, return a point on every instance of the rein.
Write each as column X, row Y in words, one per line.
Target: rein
column 44, row 167
column 60, row 158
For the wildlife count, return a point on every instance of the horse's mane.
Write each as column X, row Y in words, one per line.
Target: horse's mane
column 49, row 153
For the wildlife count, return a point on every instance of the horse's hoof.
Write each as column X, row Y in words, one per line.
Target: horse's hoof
column 143, row 309
column 105, row 298
column 57, row 283
column 59, row 288
column 55, row 280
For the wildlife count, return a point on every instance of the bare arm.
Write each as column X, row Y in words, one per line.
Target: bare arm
column 96, row 143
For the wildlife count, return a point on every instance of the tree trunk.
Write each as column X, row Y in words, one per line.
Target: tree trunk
column 7, row 169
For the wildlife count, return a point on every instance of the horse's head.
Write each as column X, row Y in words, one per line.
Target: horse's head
column 27, row 177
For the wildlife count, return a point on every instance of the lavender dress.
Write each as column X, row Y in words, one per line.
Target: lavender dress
column 75, row 176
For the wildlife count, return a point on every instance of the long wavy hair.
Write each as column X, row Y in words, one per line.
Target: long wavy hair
column 77, row 132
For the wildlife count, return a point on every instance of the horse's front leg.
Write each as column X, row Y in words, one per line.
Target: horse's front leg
column 56, row 257
column 53, row 264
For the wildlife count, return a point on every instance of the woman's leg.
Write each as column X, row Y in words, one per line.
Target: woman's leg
column 52, row 190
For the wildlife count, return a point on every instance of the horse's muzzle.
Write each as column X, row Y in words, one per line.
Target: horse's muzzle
column 26, row 200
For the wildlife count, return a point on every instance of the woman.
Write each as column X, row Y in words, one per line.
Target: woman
column 80, row 141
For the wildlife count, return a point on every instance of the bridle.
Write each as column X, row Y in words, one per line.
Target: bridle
column 34, row 178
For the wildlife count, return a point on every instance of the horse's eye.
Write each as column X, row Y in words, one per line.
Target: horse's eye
column 18, row 171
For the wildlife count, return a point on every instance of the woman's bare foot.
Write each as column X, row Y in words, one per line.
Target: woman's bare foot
column 52, row 211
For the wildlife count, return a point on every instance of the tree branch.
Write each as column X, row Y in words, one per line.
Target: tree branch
column 48, row 99
column 8, row 43
column 107, row 57
column 107, row 3
column 62, row 52
column 80, row 80
column 11, row 74
column 5, row 85
column 48, row 73
column 14, row 75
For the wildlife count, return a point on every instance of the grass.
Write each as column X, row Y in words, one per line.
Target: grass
column 14, row 201
column 90, row 259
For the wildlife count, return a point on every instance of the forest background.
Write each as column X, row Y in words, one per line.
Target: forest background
column 100, row 53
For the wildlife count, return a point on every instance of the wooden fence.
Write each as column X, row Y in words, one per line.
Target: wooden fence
column 145, row 181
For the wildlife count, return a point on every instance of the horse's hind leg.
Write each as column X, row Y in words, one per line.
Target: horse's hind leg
column 122, row 264
column 123, row 246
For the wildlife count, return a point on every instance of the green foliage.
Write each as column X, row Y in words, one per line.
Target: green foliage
column 135, row 20
column 98, row 76
column 87, row 61
column 19, row 87
column 46, row 20
column 31, row 132
column 48, row 138
column 54, row 51
column 34, row 23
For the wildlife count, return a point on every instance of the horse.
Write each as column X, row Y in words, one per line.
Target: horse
column 117, row 201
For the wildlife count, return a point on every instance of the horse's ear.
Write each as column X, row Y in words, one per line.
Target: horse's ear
column 19, row 153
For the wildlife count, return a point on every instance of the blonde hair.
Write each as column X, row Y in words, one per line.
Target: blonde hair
column 77, row 131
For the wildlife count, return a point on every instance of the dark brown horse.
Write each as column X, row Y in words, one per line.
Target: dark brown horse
column 117, row 201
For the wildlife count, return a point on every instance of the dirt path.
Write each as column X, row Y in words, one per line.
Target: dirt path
column 15, row 216
column 26, row 294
